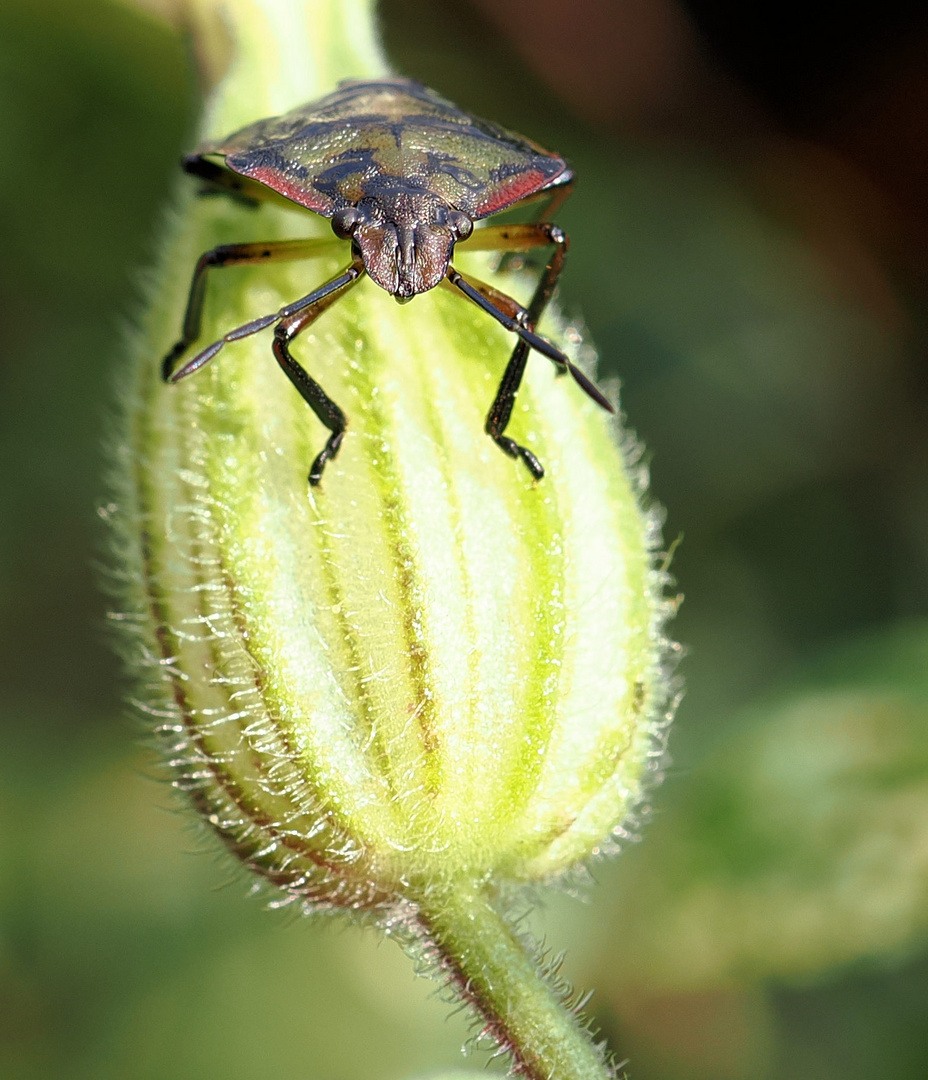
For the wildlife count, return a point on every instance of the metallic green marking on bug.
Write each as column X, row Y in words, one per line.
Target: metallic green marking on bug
column 403, row 175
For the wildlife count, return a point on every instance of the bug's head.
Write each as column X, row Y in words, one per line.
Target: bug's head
column 405, row 238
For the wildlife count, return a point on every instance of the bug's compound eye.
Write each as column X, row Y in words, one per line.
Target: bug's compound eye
column 460, row 224
column 346, row 221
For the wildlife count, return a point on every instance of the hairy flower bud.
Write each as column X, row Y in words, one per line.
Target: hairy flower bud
column 429, row 669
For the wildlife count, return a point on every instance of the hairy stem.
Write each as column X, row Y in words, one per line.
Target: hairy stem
column 463, row 935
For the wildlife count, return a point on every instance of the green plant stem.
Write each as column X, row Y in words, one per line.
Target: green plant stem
column 461, row 932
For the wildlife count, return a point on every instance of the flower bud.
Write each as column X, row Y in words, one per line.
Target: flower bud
column 427, row 669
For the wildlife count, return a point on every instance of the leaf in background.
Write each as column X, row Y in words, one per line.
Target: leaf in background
column 802, row 843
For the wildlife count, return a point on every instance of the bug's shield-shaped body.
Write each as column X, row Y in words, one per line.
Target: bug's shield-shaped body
column 407, row 170
column 403, row 174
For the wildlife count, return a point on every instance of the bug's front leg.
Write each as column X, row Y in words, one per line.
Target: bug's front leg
column 311, row 392
column 234, row 255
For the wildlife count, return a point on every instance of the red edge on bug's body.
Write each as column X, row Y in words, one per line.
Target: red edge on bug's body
column 297, row 191
column 515, row 188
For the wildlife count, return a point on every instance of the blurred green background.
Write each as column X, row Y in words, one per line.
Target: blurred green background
column 749, row 253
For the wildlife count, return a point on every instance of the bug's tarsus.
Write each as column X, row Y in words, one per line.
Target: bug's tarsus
column 328, row 452
column 167, row 364
column 514, row 450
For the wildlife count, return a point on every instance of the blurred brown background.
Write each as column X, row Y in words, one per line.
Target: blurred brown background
column 749, row 253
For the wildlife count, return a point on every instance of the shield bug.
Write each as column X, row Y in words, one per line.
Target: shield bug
column 403, row 175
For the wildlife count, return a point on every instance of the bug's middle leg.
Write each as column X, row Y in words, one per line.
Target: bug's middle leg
column 327, row 412
column 521, row 237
